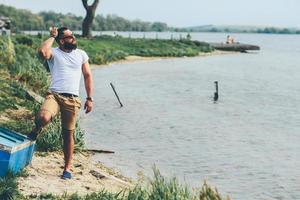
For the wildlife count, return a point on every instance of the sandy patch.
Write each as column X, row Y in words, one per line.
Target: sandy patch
column 216, row 53
column 45, row 170
column 129, row 59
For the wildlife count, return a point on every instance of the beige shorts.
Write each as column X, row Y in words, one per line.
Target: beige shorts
column 68, row 107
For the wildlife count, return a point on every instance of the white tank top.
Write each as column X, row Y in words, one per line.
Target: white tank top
column 66, row 69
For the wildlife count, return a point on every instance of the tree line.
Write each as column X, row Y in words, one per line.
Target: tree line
column 267, row 30
column 25, row 20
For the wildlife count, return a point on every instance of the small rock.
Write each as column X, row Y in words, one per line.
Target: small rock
column 78, row 165
column 97, row 174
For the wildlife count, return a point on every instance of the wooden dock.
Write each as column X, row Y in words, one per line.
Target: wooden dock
column 240, row 47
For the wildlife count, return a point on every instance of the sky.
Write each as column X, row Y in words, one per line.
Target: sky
column 182, row 13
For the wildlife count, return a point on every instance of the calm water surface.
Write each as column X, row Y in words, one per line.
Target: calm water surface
column 247, row 144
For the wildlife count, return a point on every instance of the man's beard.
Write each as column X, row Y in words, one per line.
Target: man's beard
column 70, row 46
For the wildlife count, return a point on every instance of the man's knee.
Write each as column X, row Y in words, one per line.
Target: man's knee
column 44, row 118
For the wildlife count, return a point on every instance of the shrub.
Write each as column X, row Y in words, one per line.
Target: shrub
column 23, row 39
column 98, row 59
column 7, row 52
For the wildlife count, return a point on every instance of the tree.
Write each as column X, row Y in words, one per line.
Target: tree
column 88, row 20
column 159, row 26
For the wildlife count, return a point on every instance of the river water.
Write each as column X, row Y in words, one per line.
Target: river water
column 247, row 144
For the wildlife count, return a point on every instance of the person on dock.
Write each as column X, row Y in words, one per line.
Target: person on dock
column 66, row 64
column 229, row 40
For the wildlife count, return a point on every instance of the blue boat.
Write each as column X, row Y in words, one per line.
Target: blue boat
column 15, row 151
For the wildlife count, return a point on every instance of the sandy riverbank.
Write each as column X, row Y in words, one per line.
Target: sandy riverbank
column 45, row 170
column 133, row 59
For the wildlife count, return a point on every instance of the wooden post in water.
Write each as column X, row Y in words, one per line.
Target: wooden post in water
column 112, row 86
column 216, row 94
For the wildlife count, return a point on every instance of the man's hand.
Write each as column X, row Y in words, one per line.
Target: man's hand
column 88, row 106
column 53, row 31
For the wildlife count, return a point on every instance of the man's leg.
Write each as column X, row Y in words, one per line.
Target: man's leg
column 42, row 120
column 48, row 110
column 68, row 139
column 69, row 111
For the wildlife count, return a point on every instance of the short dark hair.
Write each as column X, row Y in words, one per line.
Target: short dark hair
column 60, row 33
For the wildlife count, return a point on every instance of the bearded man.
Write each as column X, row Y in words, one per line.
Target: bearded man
column 66, row 64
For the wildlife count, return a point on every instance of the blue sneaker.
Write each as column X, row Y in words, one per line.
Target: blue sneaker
column 66, row 175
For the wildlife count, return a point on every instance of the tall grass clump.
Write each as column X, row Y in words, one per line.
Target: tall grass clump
column 9, row 187
column 208, row 193
column 50, row 138
column 162, row 188
column 7, row 52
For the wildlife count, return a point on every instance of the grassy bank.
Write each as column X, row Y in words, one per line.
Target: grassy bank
column 156, row 188
column 21, row 71
column 105, row 49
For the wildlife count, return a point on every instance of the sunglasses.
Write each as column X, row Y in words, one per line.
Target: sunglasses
column 68, row 37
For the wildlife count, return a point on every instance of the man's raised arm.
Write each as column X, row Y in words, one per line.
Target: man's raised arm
column 45, row 50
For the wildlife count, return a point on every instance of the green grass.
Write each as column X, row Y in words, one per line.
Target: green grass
column 104, row 49
column 29, row 70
